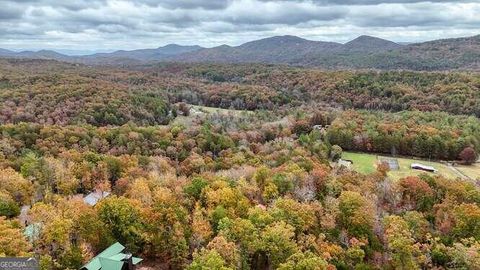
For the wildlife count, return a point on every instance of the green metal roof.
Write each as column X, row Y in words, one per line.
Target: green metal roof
column 32, row 231
column 94, row 264
column 110, row 259
column 110, row 264
column 112, row 250
column 118, row 257
column 136, row 260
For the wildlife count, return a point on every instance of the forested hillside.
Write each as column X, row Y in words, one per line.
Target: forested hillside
column 256, row 185
column 55, row 93
column 427, row 135
column 364, row 52
column 457, row 93
column 47, row 92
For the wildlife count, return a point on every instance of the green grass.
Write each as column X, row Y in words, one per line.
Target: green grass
column 362, row 163
column 204, row 110
column 472, row 171
column 405, row 169
column 366, row 163
column 216, row 110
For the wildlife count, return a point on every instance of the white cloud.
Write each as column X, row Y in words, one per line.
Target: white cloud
column 130, row 24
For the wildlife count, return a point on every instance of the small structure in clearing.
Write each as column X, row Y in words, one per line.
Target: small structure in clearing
column 195, row 111
column 418, row 166
column 391, row 162
column 345, row 163
column 113, row 258
column 32, row 232
column 93, row 198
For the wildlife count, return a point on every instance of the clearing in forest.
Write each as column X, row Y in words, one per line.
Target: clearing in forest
column 366, row 163
column 472, row 171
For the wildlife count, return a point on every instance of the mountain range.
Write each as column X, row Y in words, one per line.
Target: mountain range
column 364, row 52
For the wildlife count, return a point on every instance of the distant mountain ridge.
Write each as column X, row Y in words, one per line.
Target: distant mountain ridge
column 5, row 52
column 370, row 44
column 364, row 52
column 278, row 49
column 142, row 55
column 151, row 54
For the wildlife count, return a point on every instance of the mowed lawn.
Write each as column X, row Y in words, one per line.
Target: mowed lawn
column 405, row 169
column 362, row 163
column 366, row 163
column 472, row 171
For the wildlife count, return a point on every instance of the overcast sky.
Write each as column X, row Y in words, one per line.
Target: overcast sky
column 104, row 25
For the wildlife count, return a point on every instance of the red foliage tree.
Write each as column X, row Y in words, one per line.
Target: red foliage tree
column 468, row 155
column 416, row 193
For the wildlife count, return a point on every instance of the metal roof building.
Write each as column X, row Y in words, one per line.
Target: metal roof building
column 94, row 197
column 32, row 231
column 112, row 258
column 418, row 166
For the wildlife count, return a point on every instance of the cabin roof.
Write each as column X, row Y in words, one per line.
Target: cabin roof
column 32, row 231
column 111, row 258
column 94, row 197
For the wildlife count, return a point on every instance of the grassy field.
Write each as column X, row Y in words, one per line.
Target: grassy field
column 199, row 111
column 406, row 171
column 472, row 171
column 216, row 110
column 362, row 163
column 366, row 163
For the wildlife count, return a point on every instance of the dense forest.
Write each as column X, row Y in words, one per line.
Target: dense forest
column 253, row 186
column 456, row 93
column 364, row 52
column 113, row 96
column 432, row 135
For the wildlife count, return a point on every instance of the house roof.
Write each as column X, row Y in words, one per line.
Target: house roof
column 94, row 197
column 111, row 258
column 32, row 231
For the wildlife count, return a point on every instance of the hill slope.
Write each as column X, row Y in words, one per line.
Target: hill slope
column 280, row 49
column 4, row 52
column 364, row 52
column 149, row 54
column 370, row 44
column 135, row 56
column 360, row 53
column 447, row 54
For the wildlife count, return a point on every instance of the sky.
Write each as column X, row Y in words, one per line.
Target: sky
column 82, row 26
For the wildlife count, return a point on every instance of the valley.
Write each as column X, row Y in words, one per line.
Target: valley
column 239, row 135
column 239, row 166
